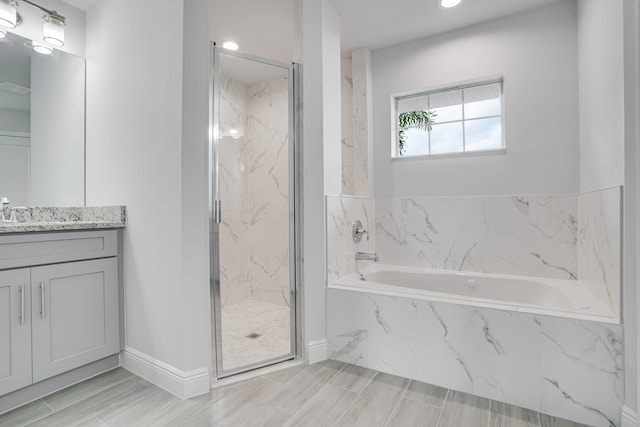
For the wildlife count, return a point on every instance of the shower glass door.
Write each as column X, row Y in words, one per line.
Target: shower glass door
column 253, row 212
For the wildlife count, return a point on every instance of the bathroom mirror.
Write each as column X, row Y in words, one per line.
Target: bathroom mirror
column 42, row 125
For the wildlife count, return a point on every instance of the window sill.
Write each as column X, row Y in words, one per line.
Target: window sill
column 501, row 151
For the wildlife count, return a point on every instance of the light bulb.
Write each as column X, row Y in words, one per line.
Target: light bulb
column 230, row 45
column 53, row 31
column 8, row 14
column 449, row 3
column 42, row 48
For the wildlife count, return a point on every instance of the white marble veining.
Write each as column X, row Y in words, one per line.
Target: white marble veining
column 362, row 128
column 254, row 187
column 341, row 249
column 566, row 368
column 347, row 126
column 38, row 219
column 600, row 244
column 530, row 236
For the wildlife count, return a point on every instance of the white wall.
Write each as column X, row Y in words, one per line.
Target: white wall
column 631, row 189
column 146, row 106
column 74, row 32
column 318, row 20
column 57, row 131
column 195, row 211
column 536, row 53
column 331, row 93
column 601, row 94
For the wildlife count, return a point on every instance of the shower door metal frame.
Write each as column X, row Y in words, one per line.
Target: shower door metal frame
column 215, row 212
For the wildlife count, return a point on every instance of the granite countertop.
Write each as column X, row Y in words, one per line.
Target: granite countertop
column 40, row 219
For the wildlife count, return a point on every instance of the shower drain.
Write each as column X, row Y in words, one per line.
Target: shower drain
column 254, row 335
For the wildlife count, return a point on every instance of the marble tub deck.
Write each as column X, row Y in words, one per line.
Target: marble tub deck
column 328, row 393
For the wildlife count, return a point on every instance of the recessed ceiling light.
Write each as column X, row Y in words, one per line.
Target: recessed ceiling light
column 230, row 45
column 449, row 3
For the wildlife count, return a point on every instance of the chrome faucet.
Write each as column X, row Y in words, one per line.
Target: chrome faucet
column 363, row 256
column 3, row 201
column 12, row 215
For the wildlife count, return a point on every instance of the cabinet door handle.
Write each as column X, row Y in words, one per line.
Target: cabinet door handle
column 42, row 299
column 22, row 304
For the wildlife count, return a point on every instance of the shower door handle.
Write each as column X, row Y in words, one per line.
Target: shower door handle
column 217, row 211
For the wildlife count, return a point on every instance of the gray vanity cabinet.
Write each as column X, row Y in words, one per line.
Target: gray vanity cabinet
column 15, row 330
column 75, row 315
column 59, row 304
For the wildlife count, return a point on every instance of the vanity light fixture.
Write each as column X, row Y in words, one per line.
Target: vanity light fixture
column 9, row 16
column 230, row 45
column 42, row 48
column 447, row 4
column 53, row 29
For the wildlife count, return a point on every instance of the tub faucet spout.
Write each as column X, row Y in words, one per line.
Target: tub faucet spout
column 363, row 256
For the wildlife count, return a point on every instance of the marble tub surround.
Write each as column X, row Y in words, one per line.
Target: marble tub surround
column 65, row 218
column 341, row 249
column 565, row 368
column 521, row 235
column 600, row 245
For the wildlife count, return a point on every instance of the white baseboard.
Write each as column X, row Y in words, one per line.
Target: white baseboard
column 180, row 383
column 629, row 417
column 317, row 351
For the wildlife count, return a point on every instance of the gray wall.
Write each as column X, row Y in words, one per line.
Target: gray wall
column 537, row 55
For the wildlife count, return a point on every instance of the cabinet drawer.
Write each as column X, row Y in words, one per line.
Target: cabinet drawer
column 47, row 248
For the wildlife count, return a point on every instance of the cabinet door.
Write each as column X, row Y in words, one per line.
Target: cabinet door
column 15, row 330
column 75, row 315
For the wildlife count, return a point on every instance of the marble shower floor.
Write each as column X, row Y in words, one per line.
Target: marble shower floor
column 267, row 323
column 328, row 393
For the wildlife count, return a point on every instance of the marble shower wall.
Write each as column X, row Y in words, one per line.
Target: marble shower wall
column 566, row 368
column 254, row 169
column 523, row 235
column 600, row 244
column 233, row 185
column 267, row 135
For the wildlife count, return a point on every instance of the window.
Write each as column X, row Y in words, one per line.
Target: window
column 454, row 120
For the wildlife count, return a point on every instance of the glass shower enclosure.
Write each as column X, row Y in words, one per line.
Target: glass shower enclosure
column 253, row 211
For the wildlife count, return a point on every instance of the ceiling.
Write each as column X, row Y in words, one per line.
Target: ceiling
column 266, row 28
column 380, row 23
column 262, row 28
column 81, row 4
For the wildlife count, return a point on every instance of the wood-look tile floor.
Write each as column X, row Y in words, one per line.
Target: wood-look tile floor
column 329, row 393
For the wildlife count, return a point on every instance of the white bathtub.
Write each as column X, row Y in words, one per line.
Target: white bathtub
column 553, row 297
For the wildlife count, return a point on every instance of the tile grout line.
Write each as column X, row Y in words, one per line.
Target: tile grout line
column 48, row 406
column 328, row 382
column 336, row 374
column 36, row 419
column 395, row 407
column 490, row 411
column 354, row 400
column 442, row 408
